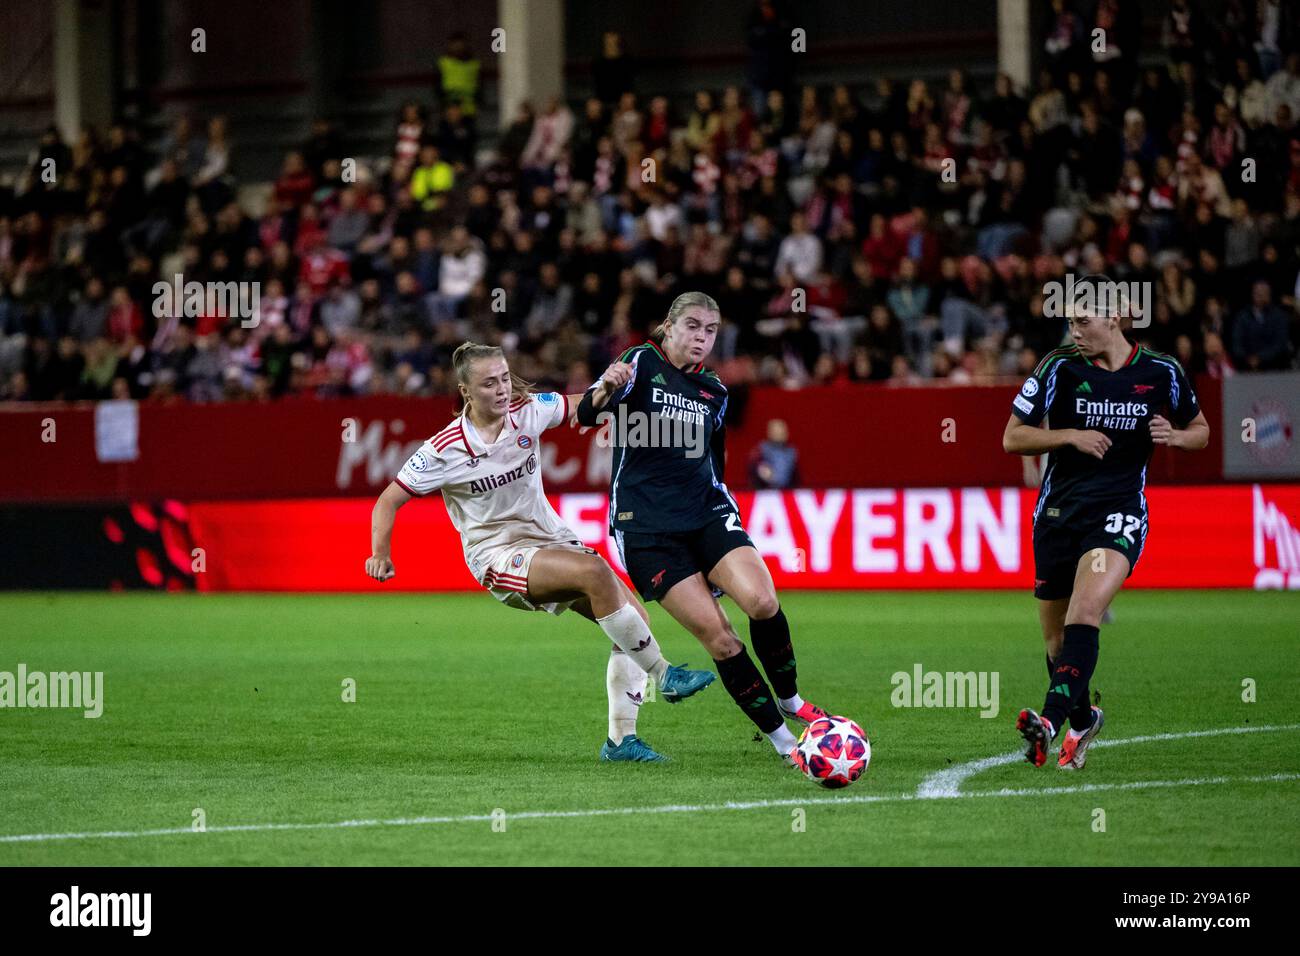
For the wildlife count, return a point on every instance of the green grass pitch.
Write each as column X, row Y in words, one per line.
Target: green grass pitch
column 233, row 705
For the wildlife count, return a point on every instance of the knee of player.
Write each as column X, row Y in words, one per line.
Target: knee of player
column 1085, row 613
column 600, row 578
column 723, row 643
column 764, row 605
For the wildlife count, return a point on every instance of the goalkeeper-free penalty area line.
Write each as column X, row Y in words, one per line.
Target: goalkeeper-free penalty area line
column 932, row 788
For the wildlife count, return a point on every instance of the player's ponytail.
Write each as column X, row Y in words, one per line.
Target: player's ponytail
column 467, row 353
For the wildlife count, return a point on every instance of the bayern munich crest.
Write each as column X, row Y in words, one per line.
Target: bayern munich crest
column 524, row 441
column 517, row 561
column 1273, row 433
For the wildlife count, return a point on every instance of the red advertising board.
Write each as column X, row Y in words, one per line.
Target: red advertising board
column 847, row 436
column 1227, row 536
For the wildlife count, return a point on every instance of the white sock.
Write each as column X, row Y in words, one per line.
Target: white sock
column 625, row 684
column 792, row 704
column 632, row 636
column 783, row 740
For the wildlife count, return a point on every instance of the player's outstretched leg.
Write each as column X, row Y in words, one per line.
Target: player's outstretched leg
column 742, row 574
column 625, row 684
column 557, row 574
column 692, row 604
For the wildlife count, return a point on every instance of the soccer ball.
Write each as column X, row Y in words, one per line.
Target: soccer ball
column 833, row 752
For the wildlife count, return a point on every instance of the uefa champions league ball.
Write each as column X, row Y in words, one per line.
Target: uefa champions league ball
column 833, row 752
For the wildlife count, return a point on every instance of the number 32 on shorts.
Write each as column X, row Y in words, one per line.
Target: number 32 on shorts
column 1120, row 523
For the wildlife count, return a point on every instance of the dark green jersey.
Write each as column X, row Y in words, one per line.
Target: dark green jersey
column 666, row 427
column 1072, row 392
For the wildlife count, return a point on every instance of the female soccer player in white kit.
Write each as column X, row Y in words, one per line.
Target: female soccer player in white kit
column 486, row 465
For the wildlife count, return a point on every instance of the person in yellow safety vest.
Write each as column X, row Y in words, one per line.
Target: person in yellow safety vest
column 458, row 74
column 432, row 179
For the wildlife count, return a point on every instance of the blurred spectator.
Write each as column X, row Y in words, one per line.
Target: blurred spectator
column 770, row 55
column 296, row 183
column 548, row 139
column 612, row 71
column 774, row 462
column 457, row 77
column 1259, row 333
column 410, row 133
column 800, row 253
column 462, row 265
column 431, row 179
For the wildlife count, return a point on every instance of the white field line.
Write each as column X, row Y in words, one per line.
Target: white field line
column 638, row 811
column 947, row 783
column 712, row 807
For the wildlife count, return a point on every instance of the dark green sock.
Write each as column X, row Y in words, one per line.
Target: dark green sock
column 750, row 692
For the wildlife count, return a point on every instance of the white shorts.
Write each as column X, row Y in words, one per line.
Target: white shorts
column 505, row 575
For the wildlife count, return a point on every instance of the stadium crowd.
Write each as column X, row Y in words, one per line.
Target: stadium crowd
column 899, row 233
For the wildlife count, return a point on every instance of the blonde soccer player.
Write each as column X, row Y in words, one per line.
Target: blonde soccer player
column 485, row 463
column 677, row 526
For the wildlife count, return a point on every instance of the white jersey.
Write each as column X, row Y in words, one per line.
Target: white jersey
column 493, row 492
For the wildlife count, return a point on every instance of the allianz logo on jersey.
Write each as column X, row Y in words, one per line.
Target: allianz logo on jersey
column 1121, row 416
column 1095, row 295
column 674, row 422
column 489, row 482
column 1273, row 528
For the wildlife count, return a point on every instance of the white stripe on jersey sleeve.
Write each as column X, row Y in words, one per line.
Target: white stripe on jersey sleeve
column 1173, row 383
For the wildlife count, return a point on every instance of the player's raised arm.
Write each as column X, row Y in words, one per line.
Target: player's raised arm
column 380, row 563
column 614, row 382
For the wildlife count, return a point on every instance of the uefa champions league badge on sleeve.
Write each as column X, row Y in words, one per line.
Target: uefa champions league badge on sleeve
column 1030, row 388
column 419, row 462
